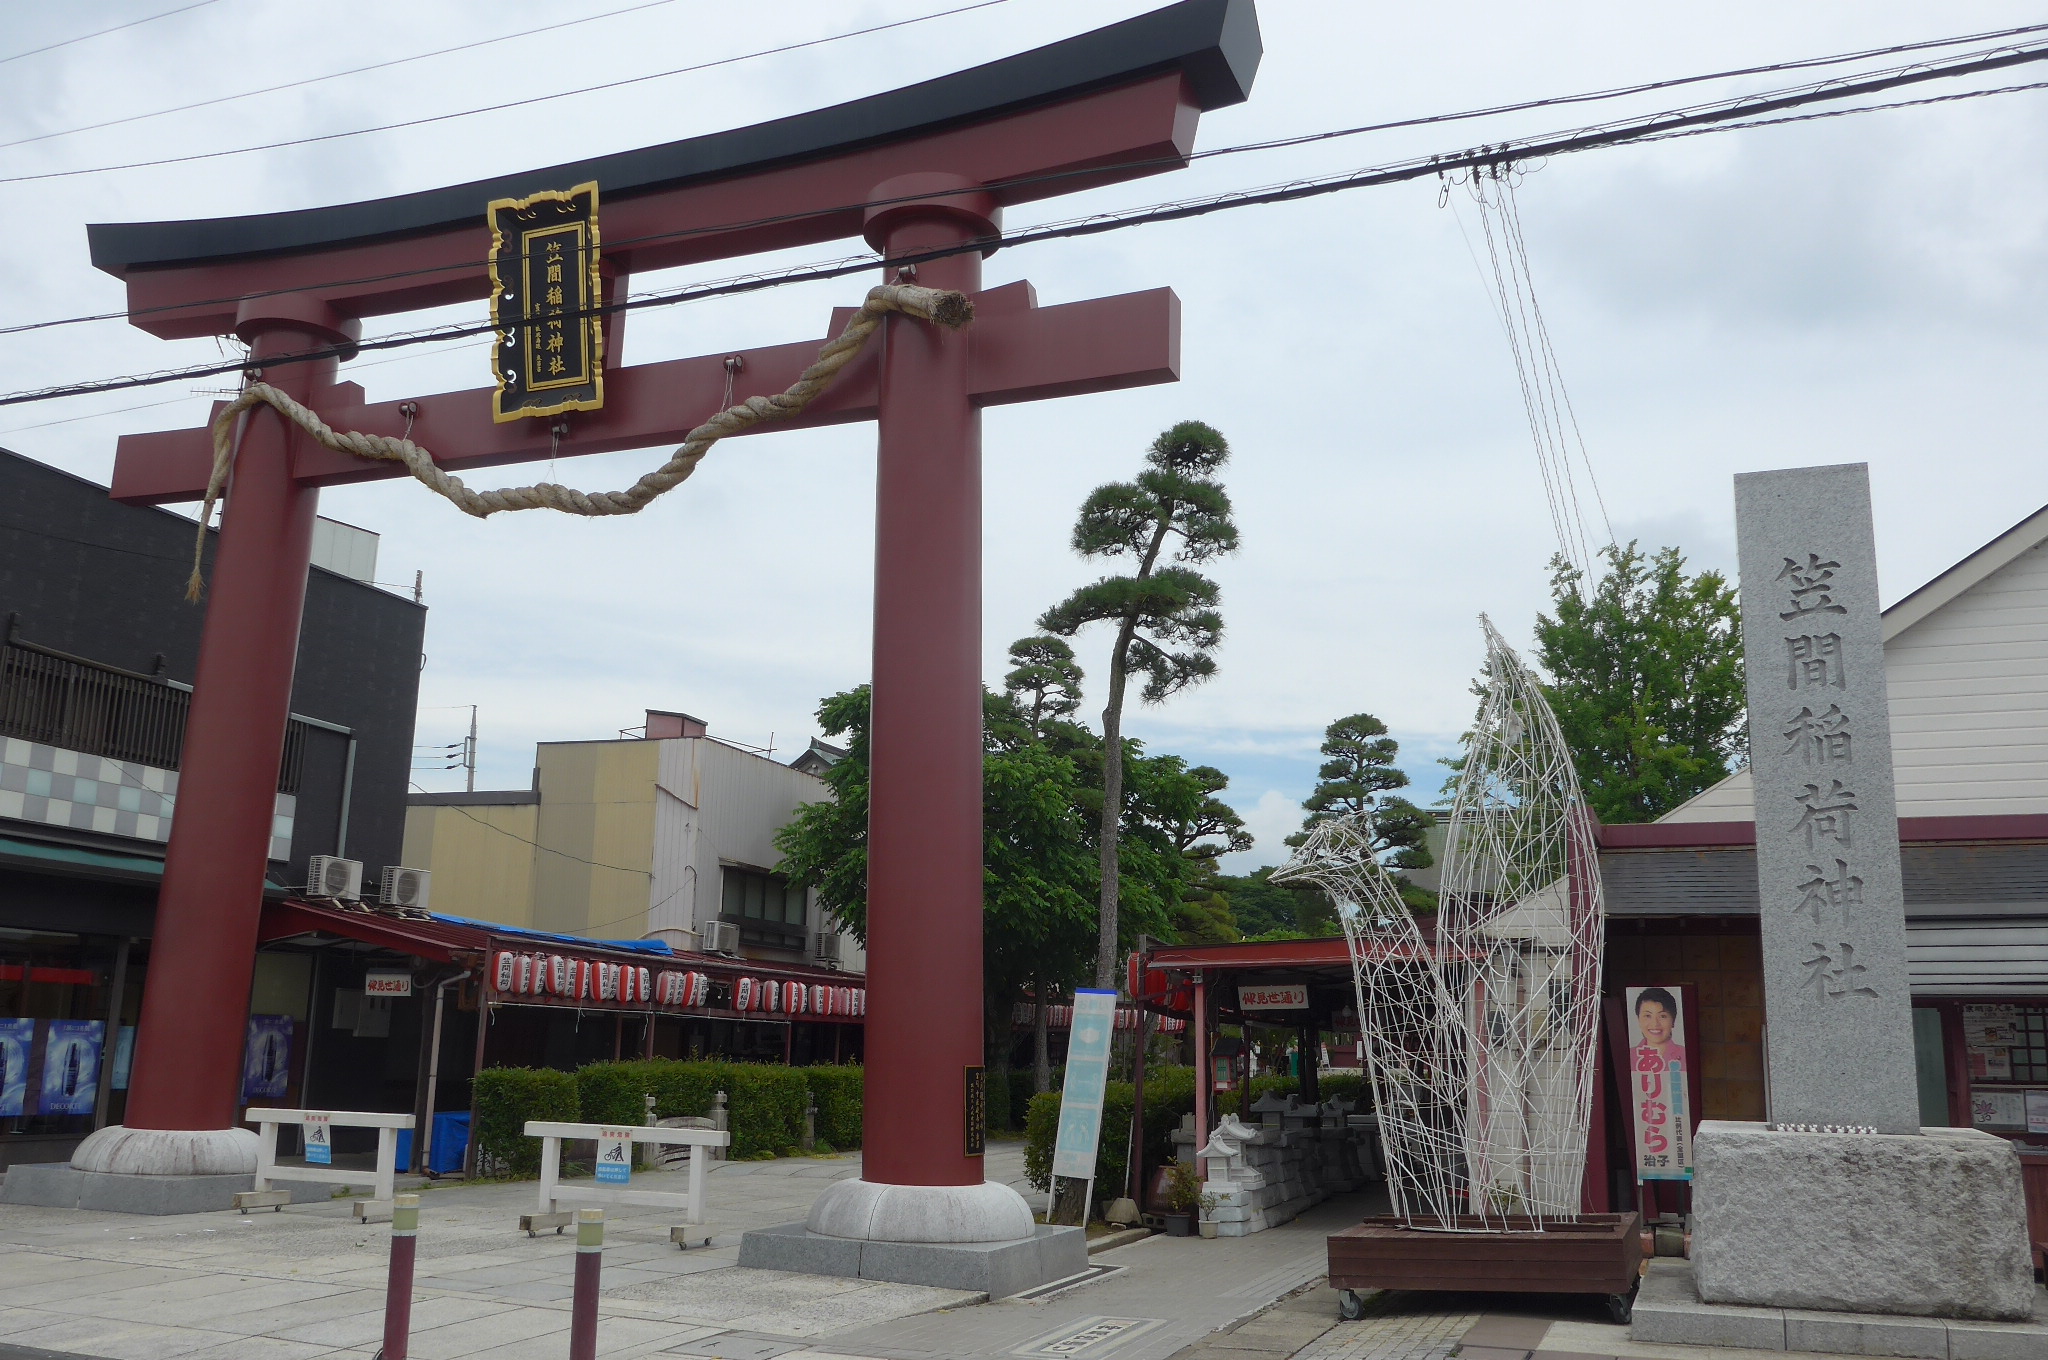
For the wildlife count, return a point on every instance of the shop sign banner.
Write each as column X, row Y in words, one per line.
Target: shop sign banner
column 1073, row 1154
column 320, row 1139
column 267, row 1061
column 1658, row 1099
column 17, row 1041
column 614, row 1156
column 1286, row 996
column 387, row 984
column 71, row 1066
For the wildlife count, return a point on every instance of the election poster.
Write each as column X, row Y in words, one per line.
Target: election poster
column 1659, row 1102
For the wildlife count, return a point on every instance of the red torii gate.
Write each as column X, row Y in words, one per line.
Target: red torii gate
column 942, row 159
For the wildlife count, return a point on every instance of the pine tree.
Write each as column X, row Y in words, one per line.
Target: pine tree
column 1357, row 778
column 1165, row 617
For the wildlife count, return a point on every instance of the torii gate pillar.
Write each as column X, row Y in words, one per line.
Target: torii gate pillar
column 918, row 170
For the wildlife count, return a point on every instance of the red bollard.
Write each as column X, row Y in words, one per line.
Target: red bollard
column 583, row 1307
column 405, row 1232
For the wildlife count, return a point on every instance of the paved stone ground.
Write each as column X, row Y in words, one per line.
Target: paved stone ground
column 309, row 1281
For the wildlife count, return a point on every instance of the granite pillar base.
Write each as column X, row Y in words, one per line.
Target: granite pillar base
column 997, row 1269
column 1921, row 1225
column 59, row 1185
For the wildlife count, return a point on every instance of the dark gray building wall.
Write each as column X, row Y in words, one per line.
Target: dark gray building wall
column 106, row 582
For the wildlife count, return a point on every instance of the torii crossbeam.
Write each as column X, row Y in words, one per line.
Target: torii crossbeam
column 918, row 169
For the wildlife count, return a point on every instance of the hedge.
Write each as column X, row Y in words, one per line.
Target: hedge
column 837, row 1091
column 764, row 1103
column 506, row 1097
column 1020, row 1084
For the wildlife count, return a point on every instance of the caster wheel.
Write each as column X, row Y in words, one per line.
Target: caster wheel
column 1621, row 1307
column 1350, row 1307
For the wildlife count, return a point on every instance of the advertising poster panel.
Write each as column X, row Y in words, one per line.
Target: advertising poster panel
column 267, row 1062
column 71, row 1066
column 17, row 1042
column 1659, row 1102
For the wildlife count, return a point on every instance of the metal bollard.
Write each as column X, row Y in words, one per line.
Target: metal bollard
column 583, row 1307
column 405, row 1232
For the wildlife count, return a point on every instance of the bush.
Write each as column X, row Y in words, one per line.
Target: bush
column 1021, row 1093
column 1169, row 1095
column 506, row 1098
column 996, row 1117
column 764, row 1103
column 837, row 1091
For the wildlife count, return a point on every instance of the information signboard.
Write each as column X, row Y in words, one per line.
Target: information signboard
column 319, row 1139
column 1087, row 1077
column 614, row 1156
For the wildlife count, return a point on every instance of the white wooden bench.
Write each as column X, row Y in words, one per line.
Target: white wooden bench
column 380, row 1181
column 553, row 1193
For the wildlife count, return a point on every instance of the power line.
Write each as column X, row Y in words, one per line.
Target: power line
column 1652, row 127
column 498, row 108
column 1170, row 162
column 88, row 37
column 334, row 75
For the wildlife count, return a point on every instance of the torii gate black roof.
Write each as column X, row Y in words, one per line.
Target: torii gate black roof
column 1214, row 43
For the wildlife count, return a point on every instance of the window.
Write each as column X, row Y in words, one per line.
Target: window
column 768, row 909
column 2030, row 1053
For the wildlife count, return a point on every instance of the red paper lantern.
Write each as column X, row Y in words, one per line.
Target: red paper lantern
column 504, row 971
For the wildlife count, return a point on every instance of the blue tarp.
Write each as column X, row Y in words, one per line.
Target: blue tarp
column 515, row 932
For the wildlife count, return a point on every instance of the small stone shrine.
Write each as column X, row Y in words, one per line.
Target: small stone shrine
column 1841, row 1202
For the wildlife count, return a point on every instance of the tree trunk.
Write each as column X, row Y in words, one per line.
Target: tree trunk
column 1041, row 1056
column 1112, row 807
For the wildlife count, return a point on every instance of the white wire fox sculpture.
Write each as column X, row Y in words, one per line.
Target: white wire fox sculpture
column 1481, row 1042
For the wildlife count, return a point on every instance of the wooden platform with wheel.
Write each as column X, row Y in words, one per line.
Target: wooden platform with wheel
column 1592, row 1254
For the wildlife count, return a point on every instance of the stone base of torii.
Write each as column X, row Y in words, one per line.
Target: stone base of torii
column 918, row 172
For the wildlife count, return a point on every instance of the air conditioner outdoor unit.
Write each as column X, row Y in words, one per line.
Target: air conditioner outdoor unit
column 328, row 876
column 403, row 887
column 825, row 947
column 721, row 937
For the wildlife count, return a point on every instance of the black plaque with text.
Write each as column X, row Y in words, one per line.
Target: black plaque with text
column 549, row 355
column 977, row 1111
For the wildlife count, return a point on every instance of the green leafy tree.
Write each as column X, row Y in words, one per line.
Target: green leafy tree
column 1357, row 778
column 1264, row 910
column 1646, row 680
column 1165, row 616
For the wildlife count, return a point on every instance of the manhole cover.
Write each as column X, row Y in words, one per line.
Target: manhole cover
column 1088, row 1338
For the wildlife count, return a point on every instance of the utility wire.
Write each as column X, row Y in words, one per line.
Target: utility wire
column 88, row 37
column 333, row 75
column 1169, row 162
column 513, row 835
column 1621, row 132
column 499, row 108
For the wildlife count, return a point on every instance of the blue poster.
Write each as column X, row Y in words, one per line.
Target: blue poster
column 71, row 1066
column 1080, row 1127
column 267, row 1062
column 16, row 1038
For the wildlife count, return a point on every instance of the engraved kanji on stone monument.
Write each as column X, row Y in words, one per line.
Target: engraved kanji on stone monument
column 1836, row 999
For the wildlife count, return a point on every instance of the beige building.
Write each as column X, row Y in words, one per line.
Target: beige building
column 656, row 837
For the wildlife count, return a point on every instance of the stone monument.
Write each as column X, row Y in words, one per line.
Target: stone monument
column 1842, row 1201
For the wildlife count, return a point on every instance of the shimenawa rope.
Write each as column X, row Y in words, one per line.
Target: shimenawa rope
column 947, row 308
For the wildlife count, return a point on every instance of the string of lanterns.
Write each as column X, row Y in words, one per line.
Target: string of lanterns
column 573, row 979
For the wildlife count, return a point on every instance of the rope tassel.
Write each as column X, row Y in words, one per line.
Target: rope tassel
column 943, row 307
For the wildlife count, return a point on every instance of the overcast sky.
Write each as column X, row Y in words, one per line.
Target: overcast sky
column 1865, row 288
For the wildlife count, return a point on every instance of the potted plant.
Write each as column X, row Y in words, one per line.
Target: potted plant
column 1183, row 1198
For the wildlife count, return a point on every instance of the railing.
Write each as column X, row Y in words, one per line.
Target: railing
column 55, row 699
